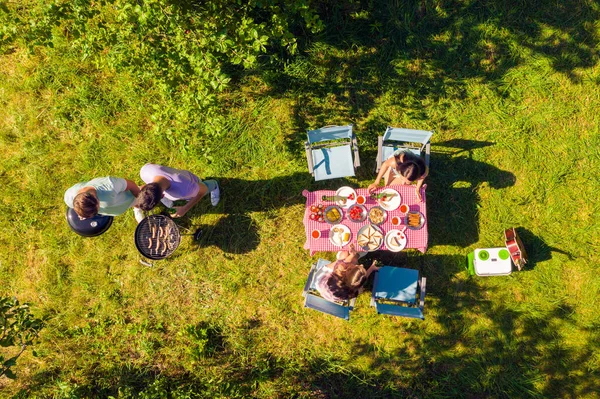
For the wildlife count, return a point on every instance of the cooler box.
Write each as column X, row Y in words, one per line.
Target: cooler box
column 489, row 262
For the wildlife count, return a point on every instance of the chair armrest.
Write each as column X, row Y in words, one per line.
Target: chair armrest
column 422, row 294
column 379, row 152
column 427, row 153
column 373, row 297
column 355, row 150
column 309, row 157
column 309, row 280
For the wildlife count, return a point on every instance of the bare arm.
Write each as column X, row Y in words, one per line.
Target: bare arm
column 131, row 186
column 420, row 183
column 389, row 163
column 182, row 210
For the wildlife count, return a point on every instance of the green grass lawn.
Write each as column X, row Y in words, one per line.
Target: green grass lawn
column 510, row 89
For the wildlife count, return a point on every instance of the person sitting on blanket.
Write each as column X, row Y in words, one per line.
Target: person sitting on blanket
column 344, row 278
column 166, row 185
column 109, row 196
column 402, row 167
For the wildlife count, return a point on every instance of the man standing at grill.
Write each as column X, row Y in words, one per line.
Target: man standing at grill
column 172, row 184
column 109, row 196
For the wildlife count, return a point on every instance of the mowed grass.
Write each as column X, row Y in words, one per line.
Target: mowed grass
column 512, row 94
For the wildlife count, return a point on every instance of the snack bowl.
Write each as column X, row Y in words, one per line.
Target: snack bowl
column 333, row 214
column 410, row 216
column 357, row 213
column 377, row 215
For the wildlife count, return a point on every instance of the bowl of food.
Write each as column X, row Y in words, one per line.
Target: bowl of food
column 357, row 213
column 415, row 220
column 333, row 214
column 377, row 215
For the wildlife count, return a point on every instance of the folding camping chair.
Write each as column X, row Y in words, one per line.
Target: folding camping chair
column 395, row 291
column 417, row 141
column 329, row 152
column 313, row 300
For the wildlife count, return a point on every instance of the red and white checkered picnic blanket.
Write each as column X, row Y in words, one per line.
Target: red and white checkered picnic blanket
column 415, row 238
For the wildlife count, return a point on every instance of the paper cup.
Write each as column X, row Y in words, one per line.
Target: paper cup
column 396, row 220
column 404, row 208
column 361, row 200
column 316, row 234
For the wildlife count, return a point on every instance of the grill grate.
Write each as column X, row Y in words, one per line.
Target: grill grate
column 157, row 237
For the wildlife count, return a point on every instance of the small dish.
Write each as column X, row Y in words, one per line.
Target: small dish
column 377, row 215
column 333, row 214
column 357, row 213
column 410, row 217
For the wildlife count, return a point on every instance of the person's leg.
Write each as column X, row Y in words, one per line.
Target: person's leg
column 214, row 190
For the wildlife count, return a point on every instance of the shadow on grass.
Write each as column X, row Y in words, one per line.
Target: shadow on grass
column 472, row 344
column 236, row 232
column 536, row 248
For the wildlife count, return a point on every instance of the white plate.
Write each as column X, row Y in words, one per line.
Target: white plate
column 346, row 191
column 393, row 203
column 336, row 235
column 390, row 243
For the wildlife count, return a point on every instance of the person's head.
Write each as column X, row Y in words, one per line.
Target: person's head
column 346, row 281
column 412, row 168
column 150, row 195
column 86, row 204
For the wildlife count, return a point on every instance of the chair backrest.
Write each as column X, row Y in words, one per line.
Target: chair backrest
column 323, row 305
column 395, row 138
column 400, row 308
column 330, row 151
column 316, row 302
column 329, row 133
column 407, row 135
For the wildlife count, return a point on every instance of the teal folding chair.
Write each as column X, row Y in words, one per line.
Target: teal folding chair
column 417, row 141
column 329, row 152
column 313, row 300
column 395, row 292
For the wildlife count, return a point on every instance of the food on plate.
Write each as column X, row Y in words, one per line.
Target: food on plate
column 370, row 238
column 333, row 214
column 355, row 213
column 346, row 237
column 414, row 219
column 376, row 215
column 316, row 212
column 351, row 196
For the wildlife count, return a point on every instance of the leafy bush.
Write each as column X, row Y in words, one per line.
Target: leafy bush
column 178, row 49
column 18, row 328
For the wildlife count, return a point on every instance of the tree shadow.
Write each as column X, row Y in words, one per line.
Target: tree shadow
column 237, row 232
column 482, row 347
column 452, row 196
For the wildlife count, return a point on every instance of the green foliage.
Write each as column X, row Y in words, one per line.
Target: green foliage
column 18, row 327
column 179, row 48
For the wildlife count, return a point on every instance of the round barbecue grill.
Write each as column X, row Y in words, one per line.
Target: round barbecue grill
column 89, row 227
column 157, row 236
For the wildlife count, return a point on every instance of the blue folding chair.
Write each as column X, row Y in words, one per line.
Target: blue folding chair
column 313, row 300
column 395, row 291
column 417, row 141
column 329, row 152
